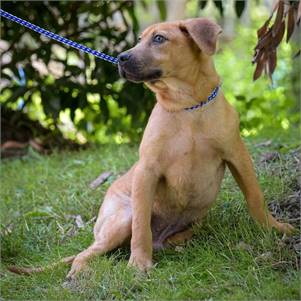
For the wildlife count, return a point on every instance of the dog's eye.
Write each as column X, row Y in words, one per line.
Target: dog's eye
column 159, row 39
column 139, row 39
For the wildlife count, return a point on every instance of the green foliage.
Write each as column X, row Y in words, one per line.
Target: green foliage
column 75, row 86
column 86, row 99
column 261, row 104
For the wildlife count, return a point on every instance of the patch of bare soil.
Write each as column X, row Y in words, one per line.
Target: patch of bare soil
column 288, row 209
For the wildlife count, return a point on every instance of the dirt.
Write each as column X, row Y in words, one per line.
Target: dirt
column 288, row 209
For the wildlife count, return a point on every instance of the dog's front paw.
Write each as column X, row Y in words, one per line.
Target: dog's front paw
column 143, row 263
column 77, row 266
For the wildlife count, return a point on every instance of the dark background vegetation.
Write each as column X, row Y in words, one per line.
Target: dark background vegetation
column 84, row 99
column 80, row 75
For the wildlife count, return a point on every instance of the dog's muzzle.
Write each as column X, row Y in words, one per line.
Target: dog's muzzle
column 133, row 70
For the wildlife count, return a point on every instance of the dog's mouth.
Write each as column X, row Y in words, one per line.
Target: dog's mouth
column 138, row 77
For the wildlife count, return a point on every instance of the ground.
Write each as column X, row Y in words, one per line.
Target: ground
column 48, row 212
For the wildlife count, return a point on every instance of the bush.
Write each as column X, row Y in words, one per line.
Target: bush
column 63, row 87
column 85, row 98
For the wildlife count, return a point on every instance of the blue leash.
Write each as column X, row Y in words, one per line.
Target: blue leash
column 83, row 48
column 58, row 38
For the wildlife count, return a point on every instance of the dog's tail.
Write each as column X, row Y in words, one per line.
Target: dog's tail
column 29, row 271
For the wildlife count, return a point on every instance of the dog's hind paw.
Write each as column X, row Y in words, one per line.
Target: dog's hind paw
column 285, row 228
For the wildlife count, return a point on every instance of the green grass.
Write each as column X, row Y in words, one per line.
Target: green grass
column 230, row 258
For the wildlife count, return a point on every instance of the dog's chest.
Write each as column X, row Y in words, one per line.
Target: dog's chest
column 193, row 172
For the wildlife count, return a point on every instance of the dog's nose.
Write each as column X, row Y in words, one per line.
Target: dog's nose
column 123, row 57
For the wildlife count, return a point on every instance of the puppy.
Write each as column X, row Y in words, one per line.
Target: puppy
column 191, row 136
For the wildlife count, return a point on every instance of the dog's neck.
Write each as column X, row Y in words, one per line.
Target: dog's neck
column 192, row 87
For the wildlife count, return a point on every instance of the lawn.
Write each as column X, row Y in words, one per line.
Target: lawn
column 48, row 212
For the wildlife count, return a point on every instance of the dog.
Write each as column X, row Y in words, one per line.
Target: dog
column 189, row 140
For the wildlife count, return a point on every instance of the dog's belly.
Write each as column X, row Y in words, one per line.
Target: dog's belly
column 185, row 194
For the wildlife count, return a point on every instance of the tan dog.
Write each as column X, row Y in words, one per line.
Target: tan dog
column 182, row 155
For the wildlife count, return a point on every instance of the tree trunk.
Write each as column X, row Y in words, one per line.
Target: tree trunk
column 229, row 20
column 176, row 9
column 246, row 15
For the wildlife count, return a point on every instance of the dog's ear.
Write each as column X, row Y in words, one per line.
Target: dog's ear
column 204, row 32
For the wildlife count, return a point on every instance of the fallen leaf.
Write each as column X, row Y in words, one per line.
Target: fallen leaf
column 91, row 220
column 78, row 162
column 79, row 222
column 35, row 145
column 264, row 256
column 243, row 246
column 100, row 179
column 265, row 143
column 179, row 249
column 13, row 144
column 270, row 156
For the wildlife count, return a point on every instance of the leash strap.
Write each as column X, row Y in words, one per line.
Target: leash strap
column 88, row 50
column 211, row 97
column 58, row 38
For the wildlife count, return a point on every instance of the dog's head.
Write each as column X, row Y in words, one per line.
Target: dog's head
column 165, row 49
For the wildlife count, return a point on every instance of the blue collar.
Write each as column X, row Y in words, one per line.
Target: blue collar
column 211, row 97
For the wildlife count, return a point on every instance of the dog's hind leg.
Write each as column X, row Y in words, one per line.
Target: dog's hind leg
column 112, row 228
column 179, row 238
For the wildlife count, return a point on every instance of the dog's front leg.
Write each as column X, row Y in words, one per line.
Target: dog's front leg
column 143, row 192
column 241, row 166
